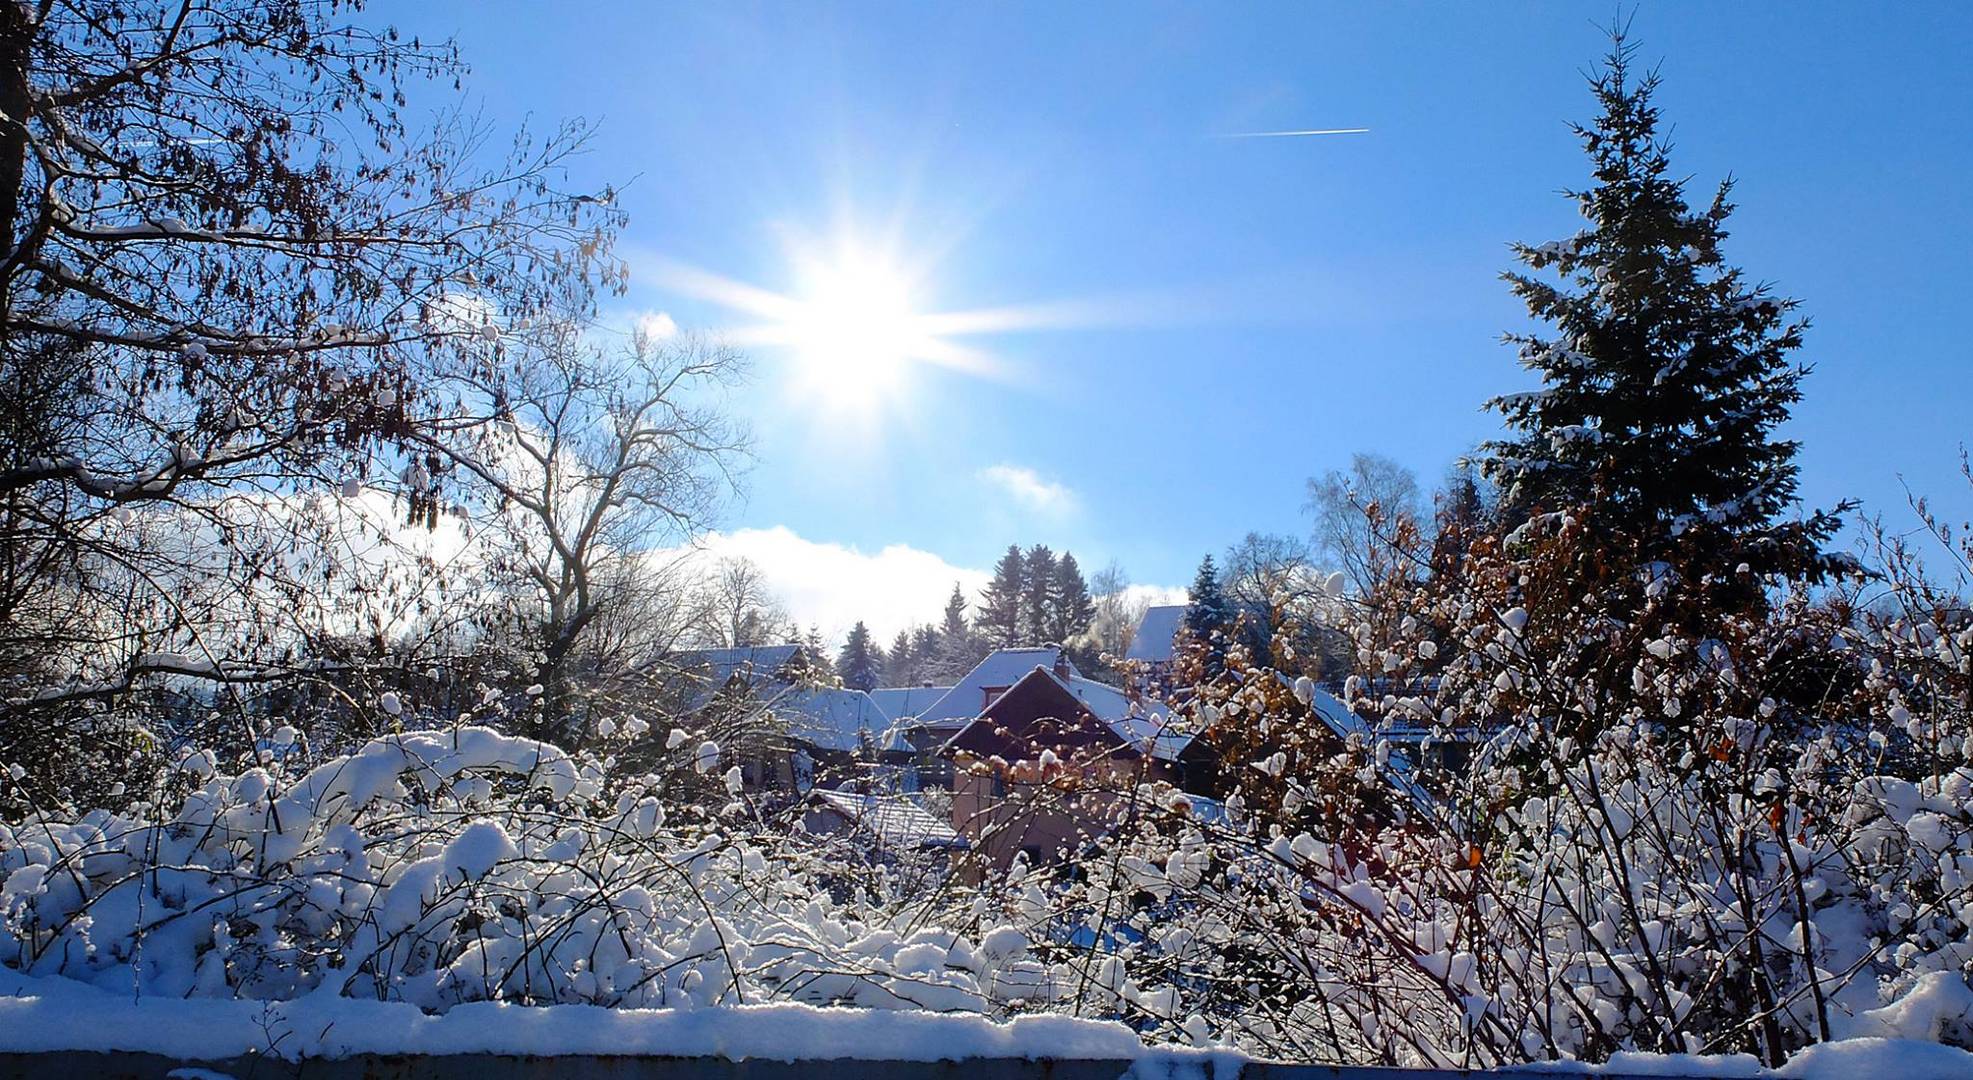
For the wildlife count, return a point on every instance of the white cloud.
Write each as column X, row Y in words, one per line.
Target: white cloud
column 658, row 325
column 833, row 585
column 1155, row 595
column 1030, row 488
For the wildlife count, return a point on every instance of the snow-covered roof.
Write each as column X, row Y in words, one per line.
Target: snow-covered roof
column 1143, row 729
column 896, row 820
column 1156, row 633
column 756, row 664
column 899, row 702
column 828, row 718
column 1152, row 731
column 765, row 659
column 1141, row 726
column 1001, row 669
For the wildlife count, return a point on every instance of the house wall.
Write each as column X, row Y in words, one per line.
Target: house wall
column 1006, row 812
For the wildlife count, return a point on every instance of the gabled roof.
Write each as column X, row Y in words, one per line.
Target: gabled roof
column 753, row 664
column 1002, row 668
column 829, row 718
column 1142, row 727
column 900, row 702
column 1036, row 696
column 1145, row 730
column 895, row 820
column 1156, row 633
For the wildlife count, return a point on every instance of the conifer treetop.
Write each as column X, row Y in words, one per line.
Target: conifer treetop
column 1665, row 371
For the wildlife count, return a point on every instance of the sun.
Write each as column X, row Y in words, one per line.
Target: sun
column 852, row 332
column 852, row 328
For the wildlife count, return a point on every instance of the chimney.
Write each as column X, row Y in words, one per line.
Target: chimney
column 1061, row 663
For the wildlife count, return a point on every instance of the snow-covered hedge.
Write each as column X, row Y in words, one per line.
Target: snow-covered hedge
column 442, row 867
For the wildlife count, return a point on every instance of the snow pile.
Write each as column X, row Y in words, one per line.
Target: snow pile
column 438, row 868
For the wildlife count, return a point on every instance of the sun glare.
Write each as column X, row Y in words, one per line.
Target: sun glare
column 853, row 329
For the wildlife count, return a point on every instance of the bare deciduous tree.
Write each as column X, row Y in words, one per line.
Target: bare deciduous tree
column 1356, row 511
column 735, row 608
column 586, row 458
column 221, row 242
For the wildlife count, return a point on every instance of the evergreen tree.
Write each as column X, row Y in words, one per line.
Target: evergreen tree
column 1665, row 370
column 1000, row 602
column 901, row 663
column 1202, row 632
column 1038, row 597
column 958, row 644
column 1205, row 603
column 1074, row 608
column 1461, row 512
column 924, row 652
column 954, row 626
column 861, row 663
column 818, row 653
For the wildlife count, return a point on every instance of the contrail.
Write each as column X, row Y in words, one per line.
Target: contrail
column 1293, row 134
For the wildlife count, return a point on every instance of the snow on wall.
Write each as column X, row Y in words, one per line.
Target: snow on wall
column 52, row 1013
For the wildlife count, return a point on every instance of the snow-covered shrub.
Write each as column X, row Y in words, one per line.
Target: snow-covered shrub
column 1683, row 829
column 449, row 866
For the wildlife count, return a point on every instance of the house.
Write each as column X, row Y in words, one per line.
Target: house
column 922, row 767
column 927, row 718
column 1155, row 641
column 839, row 735
column 703, row 675
column 1039, row 773
column 895, row 823
column 902, row 701
column 821, row 734
column 915, row 845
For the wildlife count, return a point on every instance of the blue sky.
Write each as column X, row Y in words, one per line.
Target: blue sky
column 1234, row 315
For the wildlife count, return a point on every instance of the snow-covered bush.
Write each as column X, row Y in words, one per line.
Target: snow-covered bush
column 1682, row 830
column 450, row 866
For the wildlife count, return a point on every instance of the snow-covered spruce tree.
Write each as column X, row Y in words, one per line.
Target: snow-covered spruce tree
column 999, row 618
column 1204, row 628
column 1039, row 601
column 904, row 660
column 1665, row 370
column 1074, row 608
column 861, row 661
